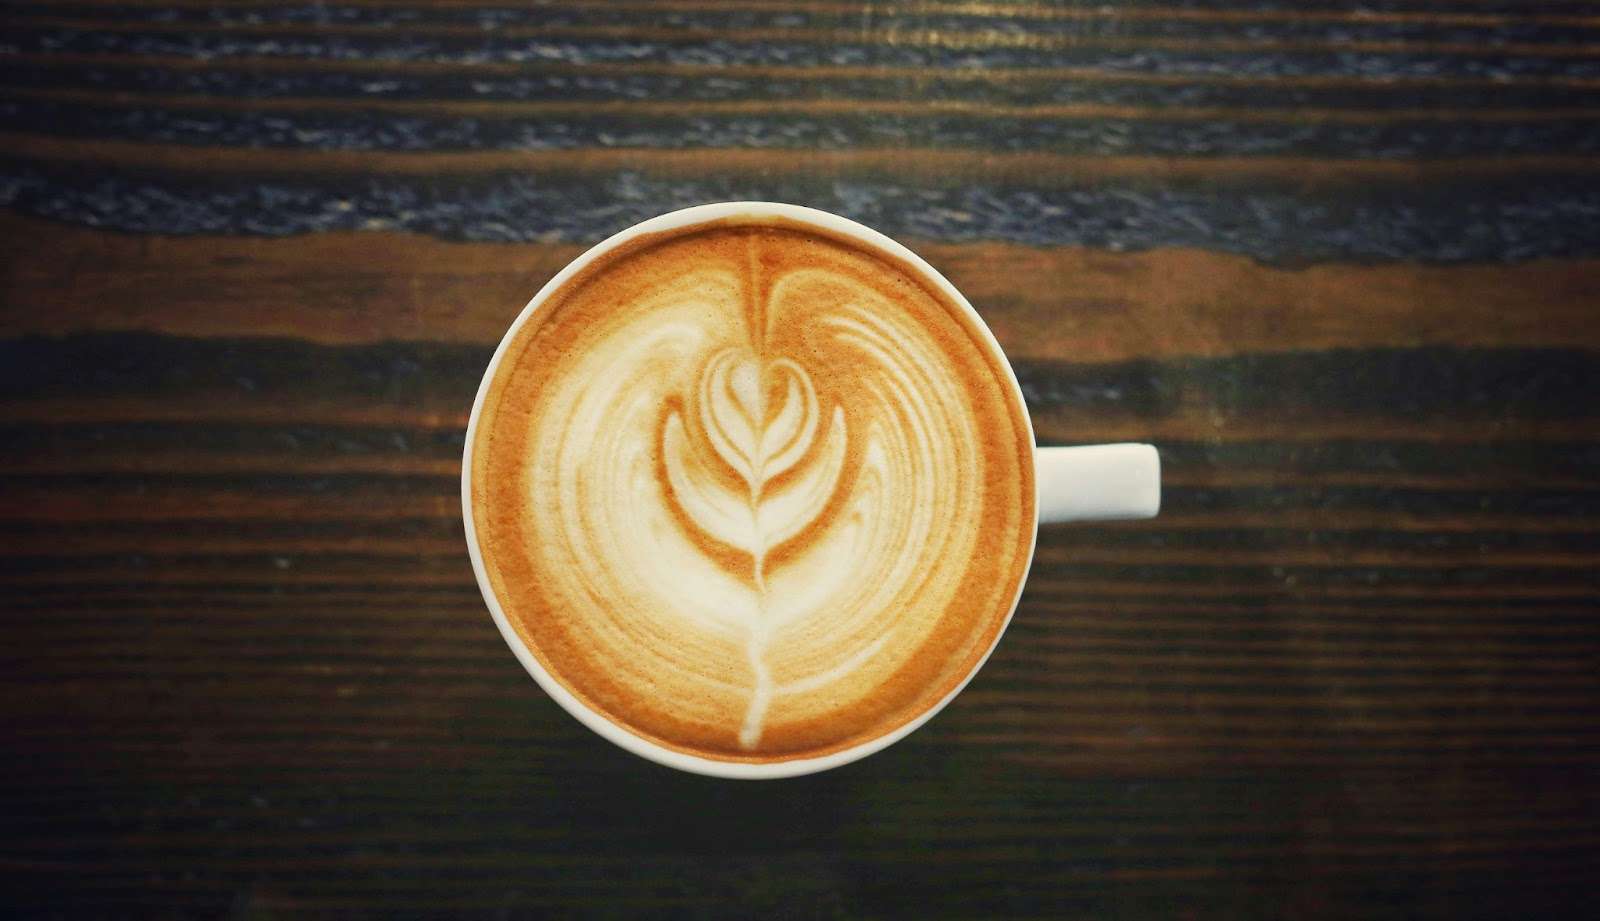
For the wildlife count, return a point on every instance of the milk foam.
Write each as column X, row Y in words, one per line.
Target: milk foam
column 755, row 492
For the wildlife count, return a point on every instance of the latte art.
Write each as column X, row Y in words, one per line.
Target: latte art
column 753, row 492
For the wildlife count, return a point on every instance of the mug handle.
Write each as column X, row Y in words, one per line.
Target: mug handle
column 1098, row 482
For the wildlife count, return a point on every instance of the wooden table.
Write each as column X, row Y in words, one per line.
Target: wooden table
column 1341, row 265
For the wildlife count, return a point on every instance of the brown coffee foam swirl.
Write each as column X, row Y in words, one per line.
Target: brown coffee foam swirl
column 753, row 492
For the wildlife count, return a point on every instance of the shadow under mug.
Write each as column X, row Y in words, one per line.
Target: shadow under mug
column 1085, row 483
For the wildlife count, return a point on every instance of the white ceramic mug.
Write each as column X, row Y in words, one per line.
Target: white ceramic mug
column 1094, row 482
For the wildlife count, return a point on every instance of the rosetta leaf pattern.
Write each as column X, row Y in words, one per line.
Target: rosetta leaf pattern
column 762, row 421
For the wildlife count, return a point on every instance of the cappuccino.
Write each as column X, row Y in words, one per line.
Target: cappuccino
column 753, row 491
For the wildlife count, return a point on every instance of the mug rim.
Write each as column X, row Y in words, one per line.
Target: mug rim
column 610, row 730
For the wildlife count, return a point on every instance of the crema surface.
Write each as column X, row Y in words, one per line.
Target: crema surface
column 752, row 491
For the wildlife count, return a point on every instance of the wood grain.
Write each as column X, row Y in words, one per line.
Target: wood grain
column 820, row 107
column 168, row 69
column 1085, row 305
column 1340, row 264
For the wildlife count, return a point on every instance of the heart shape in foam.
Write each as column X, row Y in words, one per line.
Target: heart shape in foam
column 760, row 418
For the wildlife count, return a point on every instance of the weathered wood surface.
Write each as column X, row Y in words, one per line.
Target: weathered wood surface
column 1342, row 264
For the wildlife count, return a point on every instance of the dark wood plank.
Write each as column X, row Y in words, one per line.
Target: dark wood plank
column 761, row 81
column 1464, row 210
column 1083, row 27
